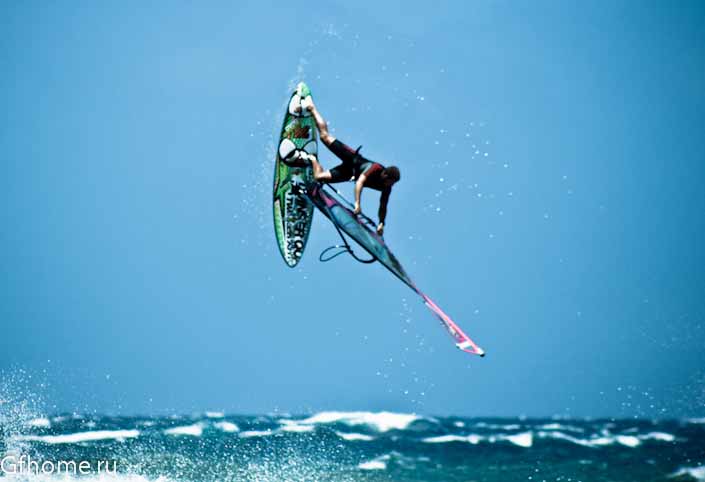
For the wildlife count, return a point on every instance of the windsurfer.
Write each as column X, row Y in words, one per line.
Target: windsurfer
column 354, row 166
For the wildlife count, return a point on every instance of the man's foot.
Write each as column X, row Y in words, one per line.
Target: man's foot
column 307, row 104
column 298, row 159
column 286, row 149
column 295, row 104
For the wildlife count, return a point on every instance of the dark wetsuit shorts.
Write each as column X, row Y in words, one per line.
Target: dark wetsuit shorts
column 353, row 163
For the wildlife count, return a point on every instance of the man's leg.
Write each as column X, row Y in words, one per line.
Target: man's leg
column 318, row 173
column 341, row 150
column 341, row 173
column 326, row 137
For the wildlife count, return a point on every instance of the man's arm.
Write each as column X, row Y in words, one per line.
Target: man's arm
column 358, row 191
column 383, row 200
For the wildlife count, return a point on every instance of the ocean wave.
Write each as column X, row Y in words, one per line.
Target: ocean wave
column 698, row 473
column 380, row 421
column 40, row 422
column 636, row 440
column 523, row 439
column 195, row 430
column 91, row 436
column 473, row 439
column 561, row 427
column 626, row 440
column 607, row 439
column 293, row 426
column 353, row 437
column 660, row 436
column 494, row 426
column 526, row 439
column 379, row 463
column 227, row 426
column 255, row 433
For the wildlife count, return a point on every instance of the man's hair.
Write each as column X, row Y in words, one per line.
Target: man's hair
column 393, row 173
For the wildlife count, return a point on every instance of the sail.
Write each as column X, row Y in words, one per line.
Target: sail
column 363, row 230
column 359, row 227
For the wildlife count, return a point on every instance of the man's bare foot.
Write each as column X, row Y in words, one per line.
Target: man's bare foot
column 307, row 104
column 314, row 163
column 295, row 105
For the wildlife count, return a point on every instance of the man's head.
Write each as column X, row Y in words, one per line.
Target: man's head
column 390, row 175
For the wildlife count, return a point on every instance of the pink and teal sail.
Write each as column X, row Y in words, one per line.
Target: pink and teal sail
column 362, row 230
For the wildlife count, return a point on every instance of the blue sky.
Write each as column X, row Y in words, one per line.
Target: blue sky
column 552, row 158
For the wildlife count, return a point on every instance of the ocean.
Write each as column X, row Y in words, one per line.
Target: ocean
column 350, row 446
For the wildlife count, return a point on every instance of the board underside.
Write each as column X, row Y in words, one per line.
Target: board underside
column 293, row 212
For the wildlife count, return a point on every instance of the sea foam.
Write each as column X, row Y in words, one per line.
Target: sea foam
column 698, row 473
column 227, row 427
column 78, row 437
column 380, row 421
column 195, row 430
column 39, row 423
column 354, row 436
column 379, row 463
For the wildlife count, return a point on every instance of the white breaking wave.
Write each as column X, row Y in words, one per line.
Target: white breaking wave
column 381, row 421
column 605, row 440
column 660, row 436
column 493, row 426
column 473, row 439
column 195, row 430
column 626, row 440
column 227, row 427
column 354, row 436
column 255, row 433
column 91, row 436
column 215, row 414
column 380, row 463
column 39, row 423
column 524, row 439
column 698, row 473
column 560, row 427
column 290, row 426
column 373, row 465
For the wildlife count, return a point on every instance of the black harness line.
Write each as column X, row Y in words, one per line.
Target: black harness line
column 344, row 248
